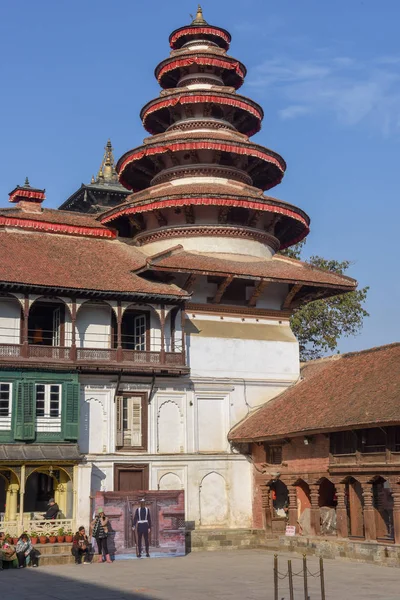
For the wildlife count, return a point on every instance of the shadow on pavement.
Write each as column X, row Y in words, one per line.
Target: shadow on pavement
column 38, row 584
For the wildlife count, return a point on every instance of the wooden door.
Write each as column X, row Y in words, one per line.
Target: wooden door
column 131, row 478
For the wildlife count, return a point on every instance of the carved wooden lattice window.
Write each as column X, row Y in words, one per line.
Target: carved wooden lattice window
column 131, row 422
column 274, row 454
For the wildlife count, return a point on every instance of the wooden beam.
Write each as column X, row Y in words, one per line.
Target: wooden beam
column 292, row 292
column 190, row 283
column 258, row 290
column 221, row 289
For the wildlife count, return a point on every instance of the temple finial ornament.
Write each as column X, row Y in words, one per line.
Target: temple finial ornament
column 107, row 170
column 27, row 184
column 199, row 20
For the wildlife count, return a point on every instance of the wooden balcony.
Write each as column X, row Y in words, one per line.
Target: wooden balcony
column 364, row 460
column 93, row 359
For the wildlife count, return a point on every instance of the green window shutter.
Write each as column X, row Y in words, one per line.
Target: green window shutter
column 70, row 411
column 25, row 411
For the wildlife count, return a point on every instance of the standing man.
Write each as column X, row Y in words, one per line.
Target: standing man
column 142, row 522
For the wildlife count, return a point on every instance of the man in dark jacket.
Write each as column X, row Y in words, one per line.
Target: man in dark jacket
column 52, row 510
column 142, row 522
column 80, row 547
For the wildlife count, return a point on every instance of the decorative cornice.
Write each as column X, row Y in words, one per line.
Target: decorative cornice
column 206, row 230
column 201, row 171
column 191, row 124
column 193, row 307
column 56, row 227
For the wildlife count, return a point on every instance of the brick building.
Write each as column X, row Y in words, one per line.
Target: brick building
column 326, row 452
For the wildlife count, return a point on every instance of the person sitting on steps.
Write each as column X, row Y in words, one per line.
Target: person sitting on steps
column 80, row 547
column 25, row 551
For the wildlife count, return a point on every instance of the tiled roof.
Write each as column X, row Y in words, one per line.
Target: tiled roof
column 340, row 392
column 48, row 215
column 280, row 268
column 73, row 262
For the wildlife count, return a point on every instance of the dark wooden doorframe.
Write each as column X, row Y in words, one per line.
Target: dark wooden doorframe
column 144, row 469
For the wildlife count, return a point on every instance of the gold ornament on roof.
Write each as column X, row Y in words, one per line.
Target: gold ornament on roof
column 107, row 172
column 199, row 20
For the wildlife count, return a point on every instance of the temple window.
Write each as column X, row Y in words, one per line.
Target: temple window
column 373, row 440
column 343, row 442
column 274, row 454
column 48, row 407
column 5, row 406
column 132, row 421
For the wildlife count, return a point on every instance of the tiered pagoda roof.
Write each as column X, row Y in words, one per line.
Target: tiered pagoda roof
column 197, row 179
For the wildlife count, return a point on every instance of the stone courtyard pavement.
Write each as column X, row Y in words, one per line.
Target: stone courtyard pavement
column 243, row 575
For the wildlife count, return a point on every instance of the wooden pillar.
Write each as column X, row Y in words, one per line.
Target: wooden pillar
column 72, row 353
column 25, row 345
column 120, row 355
column 293, row 507
column 162, row 319
column 266, row 508
column 315, row 513
column 183, row 319
column 369, row 511
column 381, row 528
column 356, row 509
column 342, row 527
column 396, row 513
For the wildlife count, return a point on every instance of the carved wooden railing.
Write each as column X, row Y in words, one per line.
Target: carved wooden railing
column 31, row 352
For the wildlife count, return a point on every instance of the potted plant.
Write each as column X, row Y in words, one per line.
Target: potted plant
column 34, row 537
column 43, row 539
column 69, row 536
column 60, row 535
column 52, row 538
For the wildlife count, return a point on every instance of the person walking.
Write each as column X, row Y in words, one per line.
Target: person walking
column 80, row 547
column 100, row 533
column 142, row 522
column 25, row 550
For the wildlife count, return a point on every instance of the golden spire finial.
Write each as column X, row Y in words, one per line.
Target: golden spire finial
column 107, row 170
column 199, row 20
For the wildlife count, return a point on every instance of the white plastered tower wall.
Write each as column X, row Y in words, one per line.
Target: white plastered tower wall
column 189, row 419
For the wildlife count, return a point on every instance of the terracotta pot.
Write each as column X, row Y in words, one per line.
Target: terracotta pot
column 60, row 539
column 68, row 539
column 34, row 540
column 43, row 539
column 52, row 539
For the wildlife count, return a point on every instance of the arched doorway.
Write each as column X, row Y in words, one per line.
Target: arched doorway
column 280, row 497
column 45, row 483
column 303, row 506
column 3, row 494
column 327, row 506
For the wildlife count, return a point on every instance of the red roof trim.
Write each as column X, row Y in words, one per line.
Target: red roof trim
column 188, row 99
column 207, row 201
column 201, row 30
column 56, row 227
column 36, row 196
column 202, row 60
column 181, row 146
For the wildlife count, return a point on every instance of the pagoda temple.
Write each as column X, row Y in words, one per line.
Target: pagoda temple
column 148, row 316
column 103, row 191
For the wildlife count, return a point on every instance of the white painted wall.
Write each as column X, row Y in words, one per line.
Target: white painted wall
column 10, row 311
column 93, row 326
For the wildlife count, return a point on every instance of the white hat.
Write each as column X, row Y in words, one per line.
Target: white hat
column 142, row 500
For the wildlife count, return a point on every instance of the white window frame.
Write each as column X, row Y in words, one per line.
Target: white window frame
column 47, row 422
column 5, row 421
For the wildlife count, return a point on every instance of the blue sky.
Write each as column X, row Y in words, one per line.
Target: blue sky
column 327, row 74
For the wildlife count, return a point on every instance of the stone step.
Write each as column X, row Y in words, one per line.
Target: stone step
column 53, row 549
column 65, row 558
column 224, row 539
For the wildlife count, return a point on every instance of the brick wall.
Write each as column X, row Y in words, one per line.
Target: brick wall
column 297, row 458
